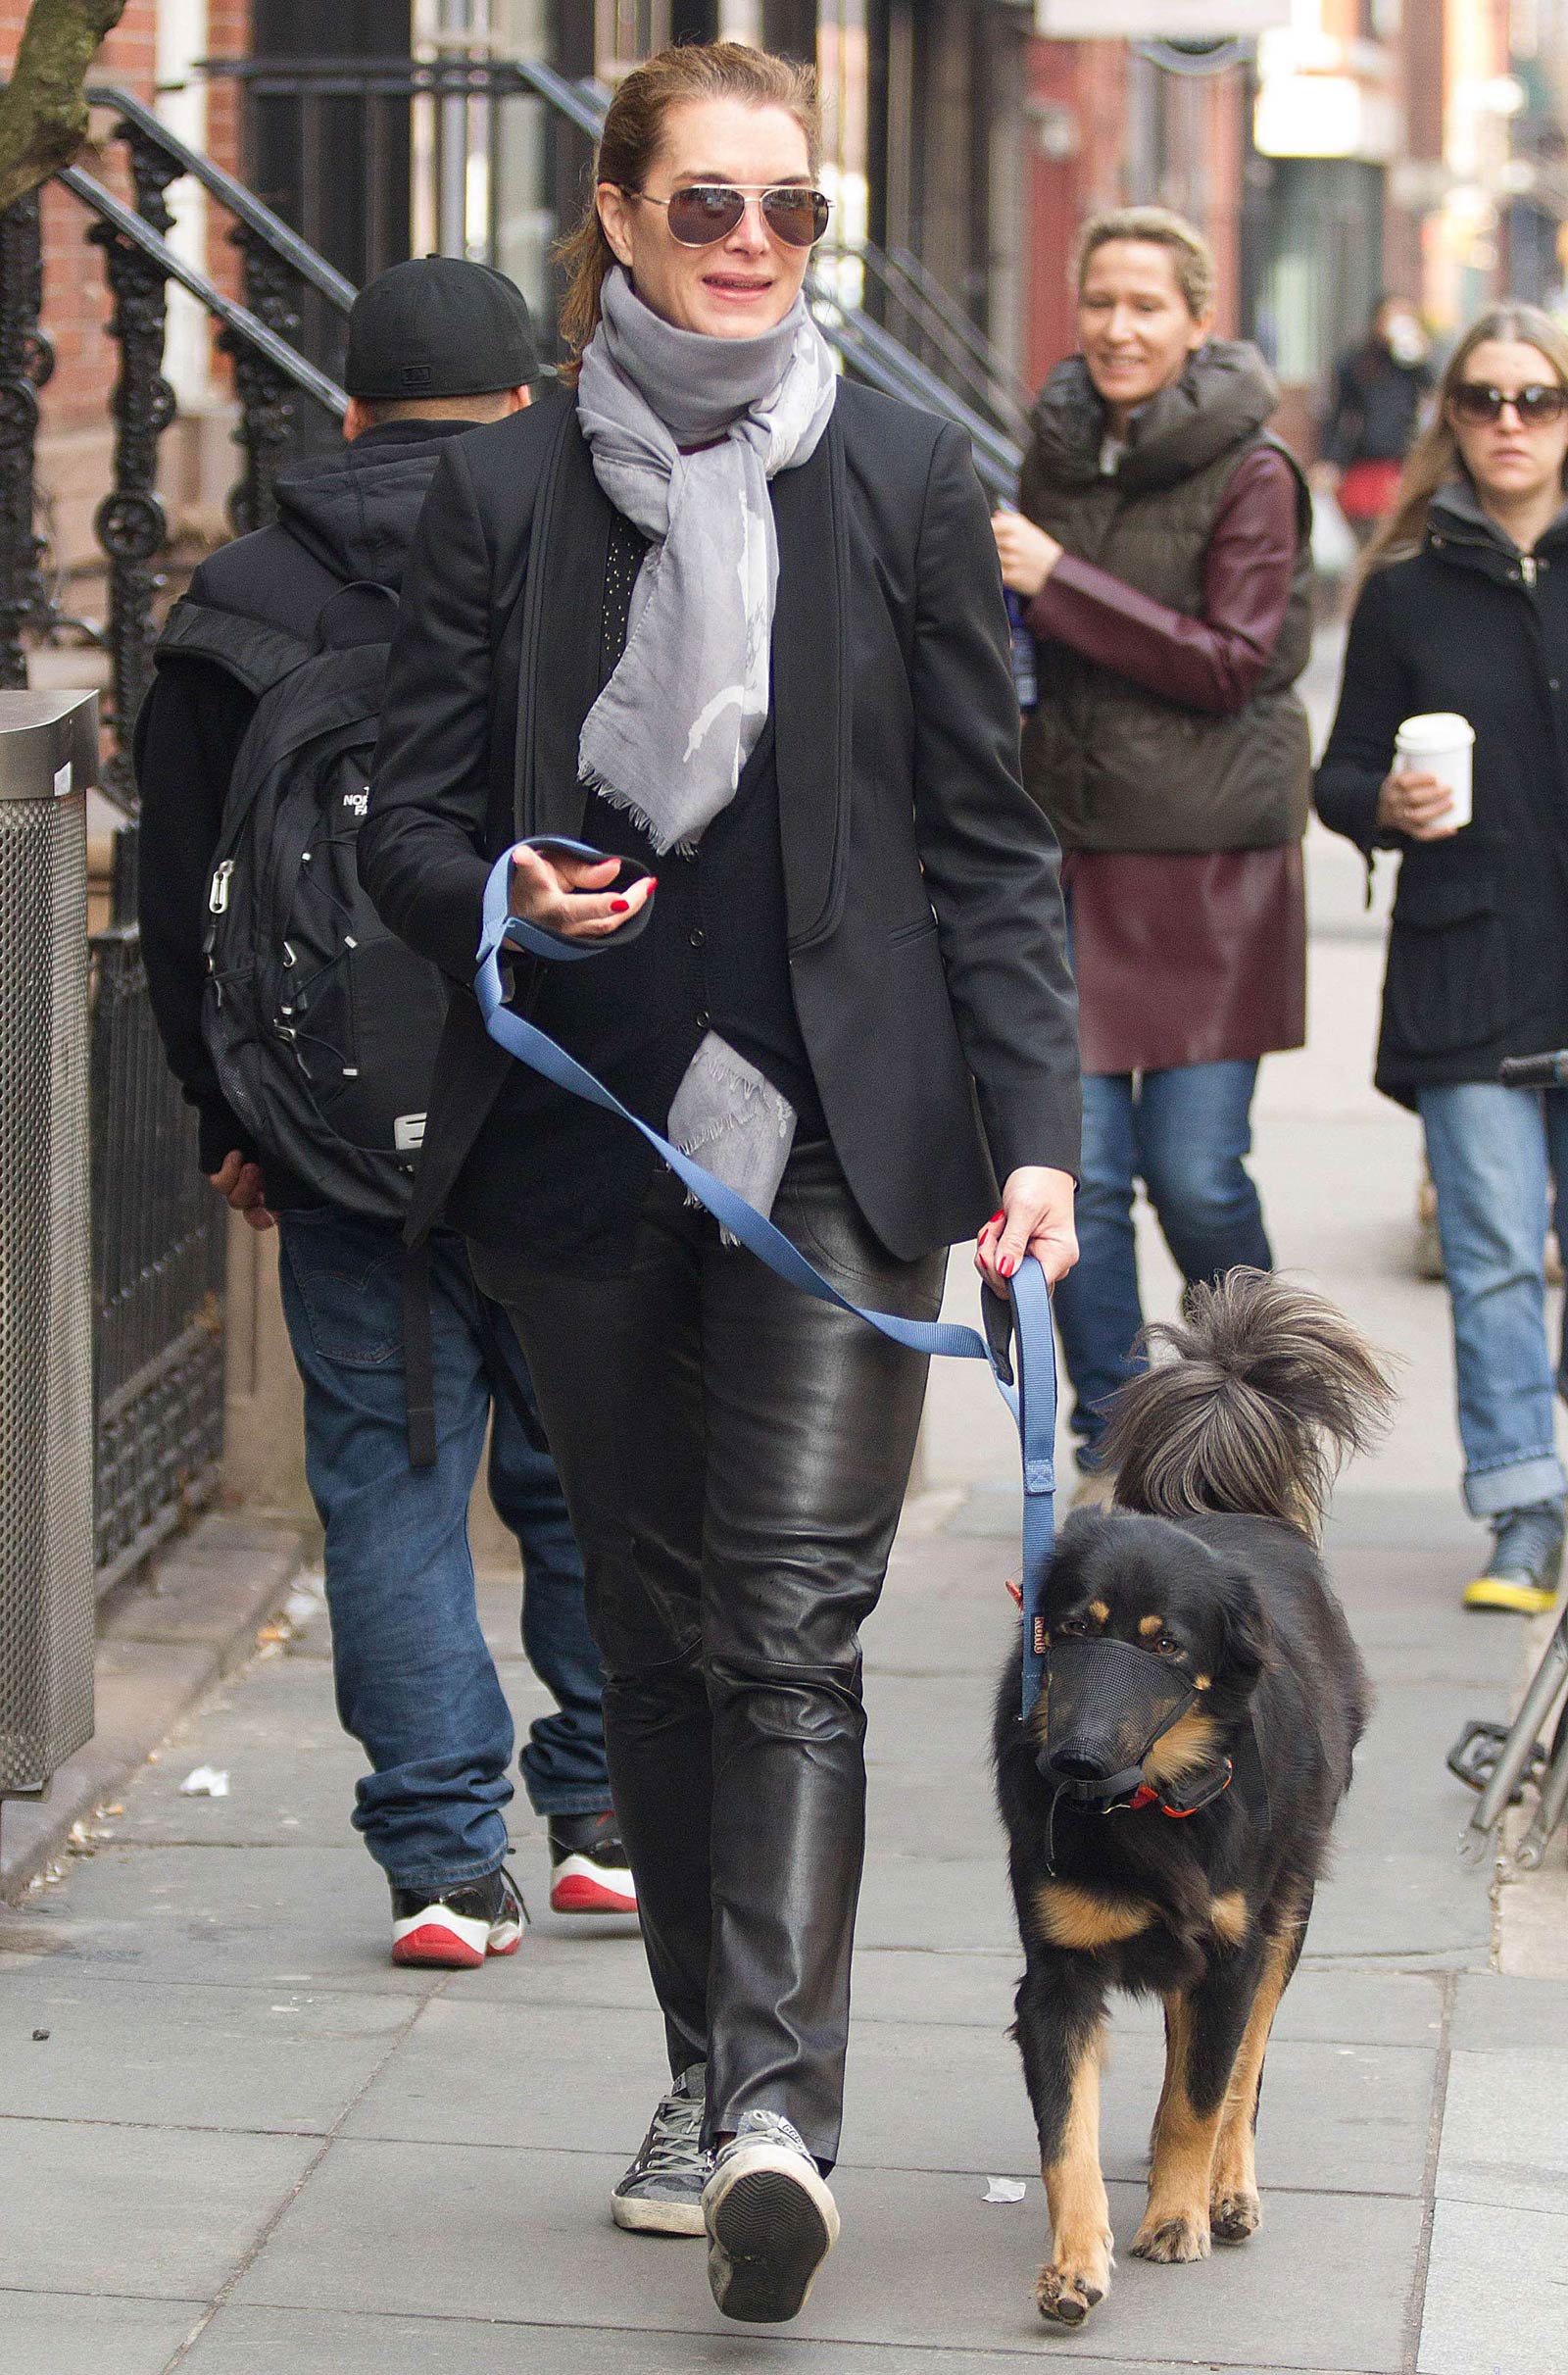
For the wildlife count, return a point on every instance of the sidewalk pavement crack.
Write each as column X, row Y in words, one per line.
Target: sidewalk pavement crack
column 1415, row 2308
column 258, row 2246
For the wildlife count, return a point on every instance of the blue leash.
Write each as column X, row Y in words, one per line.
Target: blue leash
column 1031, row 1400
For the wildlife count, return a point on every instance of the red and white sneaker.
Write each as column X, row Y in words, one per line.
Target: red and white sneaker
column 588, row 1868
column 457, row 1930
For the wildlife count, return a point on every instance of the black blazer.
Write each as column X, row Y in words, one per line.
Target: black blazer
column 926, row 942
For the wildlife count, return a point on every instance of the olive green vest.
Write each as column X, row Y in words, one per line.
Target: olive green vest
column 1117, row 767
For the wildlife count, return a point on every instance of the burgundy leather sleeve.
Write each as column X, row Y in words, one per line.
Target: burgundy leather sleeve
column 1212, row 662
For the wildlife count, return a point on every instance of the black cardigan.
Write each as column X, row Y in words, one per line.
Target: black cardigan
column 923, row 916
column 1478, row 954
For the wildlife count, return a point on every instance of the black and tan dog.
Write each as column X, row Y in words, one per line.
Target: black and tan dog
column 1169, row 1799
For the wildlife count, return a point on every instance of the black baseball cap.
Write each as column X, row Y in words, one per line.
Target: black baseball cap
column 438, row 325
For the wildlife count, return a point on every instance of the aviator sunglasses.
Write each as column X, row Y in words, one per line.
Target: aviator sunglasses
column 1473, row 400
column 709, row 211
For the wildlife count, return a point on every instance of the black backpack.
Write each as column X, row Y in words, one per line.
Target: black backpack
column 323, row 1027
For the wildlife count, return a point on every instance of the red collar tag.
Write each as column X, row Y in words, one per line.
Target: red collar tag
column 1147, row 1795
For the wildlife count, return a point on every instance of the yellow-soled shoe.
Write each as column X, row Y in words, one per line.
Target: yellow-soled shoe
column 1506, row 1592
column 1526, row 1561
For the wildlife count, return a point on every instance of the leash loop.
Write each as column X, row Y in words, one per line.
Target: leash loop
column 1032, row 1398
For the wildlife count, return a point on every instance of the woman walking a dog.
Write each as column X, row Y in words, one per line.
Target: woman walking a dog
column 1463, row 618
column 1163, row 553
column 735, row 622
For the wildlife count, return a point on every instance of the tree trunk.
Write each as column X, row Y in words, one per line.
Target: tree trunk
column 43, row 112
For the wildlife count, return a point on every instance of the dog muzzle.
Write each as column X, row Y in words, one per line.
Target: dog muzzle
column 1106, row 1705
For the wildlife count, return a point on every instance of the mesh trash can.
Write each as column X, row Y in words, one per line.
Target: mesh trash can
column 48, row 756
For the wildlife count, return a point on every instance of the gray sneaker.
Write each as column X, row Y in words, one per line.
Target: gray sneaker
column 771, row 2221
column 1525, row 1563
column 661, row 2193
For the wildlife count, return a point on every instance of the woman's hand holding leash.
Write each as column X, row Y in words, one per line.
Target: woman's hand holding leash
column 1036, row 1217
column 571, row 895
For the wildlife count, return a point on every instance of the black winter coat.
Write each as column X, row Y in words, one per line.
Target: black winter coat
column 1478, row 954
column 924, row 930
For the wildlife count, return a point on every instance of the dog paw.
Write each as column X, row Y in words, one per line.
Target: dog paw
column 1066, row 2294
column 1172, row 2241
column 1233, row 2217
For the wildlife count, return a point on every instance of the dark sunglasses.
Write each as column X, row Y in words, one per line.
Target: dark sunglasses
column 709, row 211
column 1535, row 405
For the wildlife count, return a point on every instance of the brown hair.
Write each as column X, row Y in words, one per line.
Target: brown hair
column 1435, row 456
column 630, row 140
column 1266, row 1388
column 1191, row 256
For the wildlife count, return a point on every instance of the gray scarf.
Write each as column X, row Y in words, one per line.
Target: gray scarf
column 669, row 737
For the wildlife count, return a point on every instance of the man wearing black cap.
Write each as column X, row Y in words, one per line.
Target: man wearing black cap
column 435, row 347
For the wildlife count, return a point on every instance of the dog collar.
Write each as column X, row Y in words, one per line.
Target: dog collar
column 1179, row 1803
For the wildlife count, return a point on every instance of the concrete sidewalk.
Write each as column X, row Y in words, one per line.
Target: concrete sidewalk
column 237, row 2141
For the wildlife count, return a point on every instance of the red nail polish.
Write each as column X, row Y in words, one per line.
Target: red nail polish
column 1006, row 1265
column 620, row 907
column 653, row 882
column 995, row 1218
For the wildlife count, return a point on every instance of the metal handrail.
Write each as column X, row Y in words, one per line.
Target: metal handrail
column 236, row 317
column 231, row 194
column 993, row 362
column 972, row 371
column 583, row 104
column 880, row 360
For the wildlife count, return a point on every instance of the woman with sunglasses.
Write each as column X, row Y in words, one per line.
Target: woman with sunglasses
column 1161, row 549
column 740, row 626
column 1464, row 608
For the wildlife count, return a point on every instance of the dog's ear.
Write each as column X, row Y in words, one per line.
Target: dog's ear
column 1245, row 1643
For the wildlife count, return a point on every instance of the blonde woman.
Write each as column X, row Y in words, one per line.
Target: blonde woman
column 1161, row 546
column 1464, row 607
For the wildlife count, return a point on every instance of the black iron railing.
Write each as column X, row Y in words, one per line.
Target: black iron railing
column 159, row 1246
column 159, row 1235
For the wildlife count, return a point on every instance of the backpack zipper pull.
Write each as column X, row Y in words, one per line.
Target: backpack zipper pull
column 218, row 896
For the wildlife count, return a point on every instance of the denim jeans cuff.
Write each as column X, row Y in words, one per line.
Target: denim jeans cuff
column 548, row 1803
column 433, row 1884
column 1517, row 1486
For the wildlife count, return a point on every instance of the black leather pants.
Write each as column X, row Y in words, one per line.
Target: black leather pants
column 734, row 1455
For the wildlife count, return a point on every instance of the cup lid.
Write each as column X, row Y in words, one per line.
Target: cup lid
column 1434, row 730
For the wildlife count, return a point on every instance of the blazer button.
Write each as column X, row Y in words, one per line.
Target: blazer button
column 698, row 938
column 704, row 1019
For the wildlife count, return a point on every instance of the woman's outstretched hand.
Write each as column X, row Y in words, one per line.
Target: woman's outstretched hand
column 571, row 895
column 1026, row 553
column 1036, row 1217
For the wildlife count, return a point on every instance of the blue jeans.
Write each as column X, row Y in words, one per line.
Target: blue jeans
column 417, row 1685
column 1186, row 1133
column 1495, row 1154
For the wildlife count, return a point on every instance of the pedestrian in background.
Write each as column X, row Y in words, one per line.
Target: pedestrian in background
column 1379, row 390
column 810, row 731
column 1163, row 548
column 417, row 1684
column 1464, row 608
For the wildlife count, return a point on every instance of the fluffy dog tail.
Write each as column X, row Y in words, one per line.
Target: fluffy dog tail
column 1265, row 1391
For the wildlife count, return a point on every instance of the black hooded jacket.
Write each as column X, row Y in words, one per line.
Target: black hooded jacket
column 342, row 518
column 1478, row 953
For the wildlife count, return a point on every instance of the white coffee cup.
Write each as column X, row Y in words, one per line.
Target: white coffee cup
column 1440, row 743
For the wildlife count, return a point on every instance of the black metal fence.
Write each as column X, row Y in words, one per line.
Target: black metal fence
column 159, row 1244
column 159, row 1235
